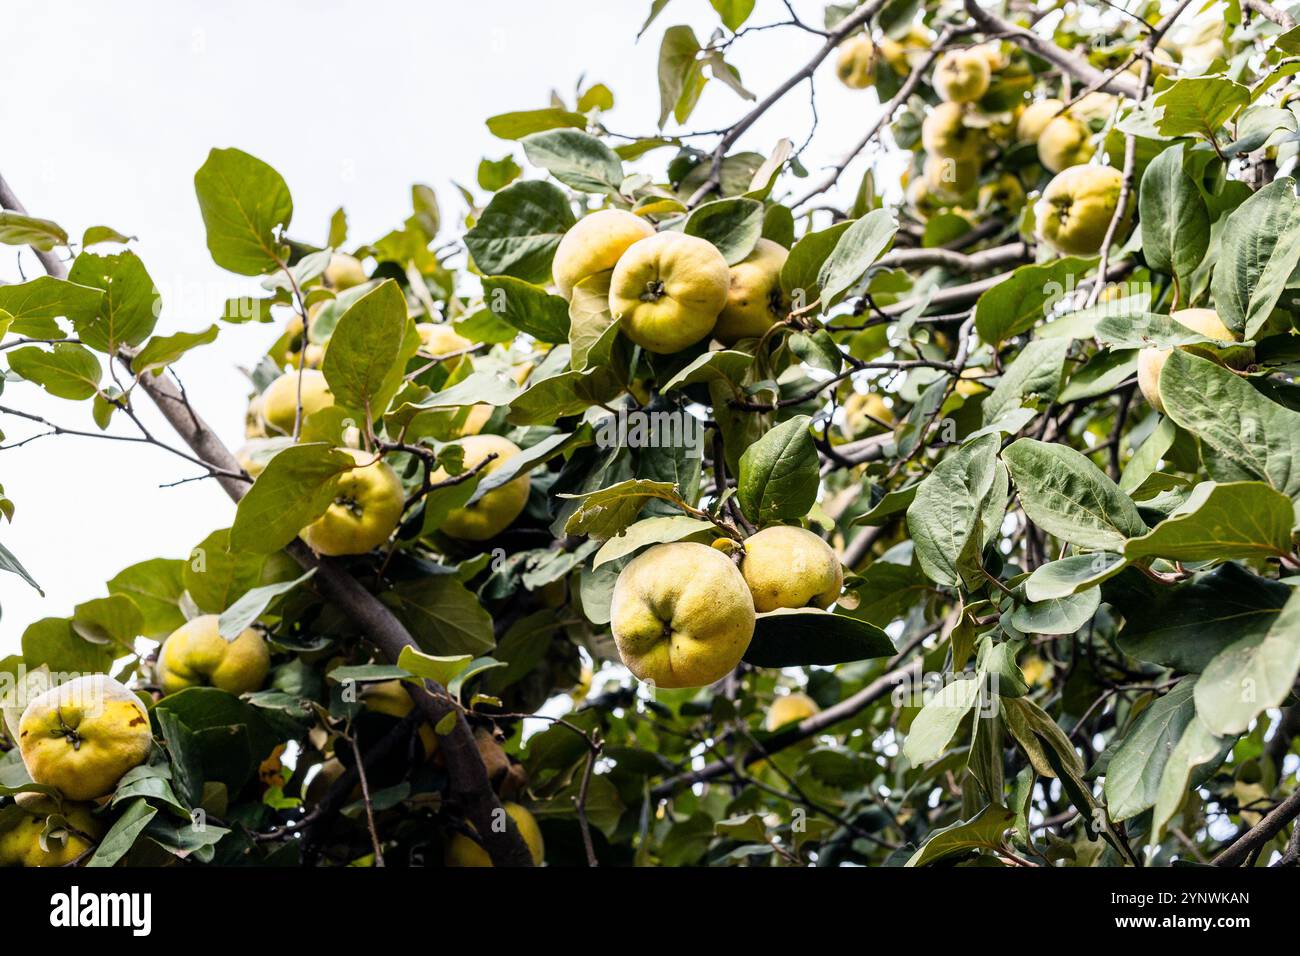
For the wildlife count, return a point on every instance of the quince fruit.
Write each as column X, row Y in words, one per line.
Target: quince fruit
column 1064, row 142
column 20, row 844
column 595, row 244
column 279, row 403
column 789, row 709
column 81, row 736
column 667, row 291
column 344, row 272
column 856, row 64
column 1035, row 118
column 196, row 655
column 755, row 301
column 367, row 508
column 962, row 76
column 789, row 567
column 493, row 513
column 462, row 850
column 944, row 135
column 1076, row 209
column 1151, row 361
column 682, row 615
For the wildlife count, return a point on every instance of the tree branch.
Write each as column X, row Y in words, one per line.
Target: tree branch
column 1253, row 839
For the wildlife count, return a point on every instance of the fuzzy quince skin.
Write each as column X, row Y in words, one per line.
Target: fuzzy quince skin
column 280, row 400
column 594, row 244
column 1076, row 209
column 344, row 272
column 788, row 709
column 20, row 845
column 1064, row 142
column 1151, row 361
column 667, row 291
column 83, row 735
column 494, row 512
column 464, row 851
column 789, row 567
column 196, row 655
column 856, row 63
column 755, row 301
column 944, row 134
column 682, row 615
column 366, row 509
column 962, row 76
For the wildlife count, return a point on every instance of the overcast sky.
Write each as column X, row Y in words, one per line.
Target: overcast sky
column 110, row 108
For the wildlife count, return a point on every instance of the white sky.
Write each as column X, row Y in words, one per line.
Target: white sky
column 108, row 113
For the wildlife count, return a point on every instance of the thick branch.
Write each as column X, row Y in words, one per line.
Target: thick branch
column 1044, row 48
column 469, row 780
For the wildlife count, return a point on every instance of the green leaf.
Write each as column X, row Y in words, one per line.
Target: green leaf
column 804, row 637
column 1242, row 519
column 734, row 13
column 155, row 586
column 215, row 575
column 592, row 330
column 1148, row 456
column 982, row 831
column 1198, row 104
column 799, row 275
column 648, row 531
column 10, row 563
column 935, row 724
column 1196, row 747
column 1174, row 219
column 1255, row 673
column 1258, row 250
column 778, row 477
column 246, row 207
column 680, row 74
column 365, row 349
column 443, row 616
column 576, row 159
column 19, row 230
column 1187, row 625
column 1057, row 615
column 1078, row 572
column 296, row 488
column 240, row 615
column 1134, row 772
column 52, row 642
column 1243, row 434
column 519, row 230
column 1035, row 375
column 33, row 304
column 860, row 245
column 527, row 122
column 569, row 393
column 163, row 350
column 946, row 517
column 129, row 307
column 1068, row 496
column 123, row 834
column 606, row 513
column 497, row 174
column 529, row 308
column 1018, row 302
column 114, row 619
column 733, row 225
column 94, row 235
column 65, row 370
column 1143, row 330
column 440, row 669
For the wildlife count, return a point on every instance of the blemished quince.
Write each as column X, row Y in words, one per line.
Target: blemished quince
column 789, row 709
column 902, row 54
column 1076, row 209
column 962, row 76
column 20, row 845
column 856, row 63
column 366, row 508
column 1151, row 361
column 81, row 736
column 945, row 135
column 789, row 567
column 594, row 244
column 1064, row 142
column 682, row 615
column 196, row 655
column 755, row 301
column 464, row 851
column 344, row 272
column 949, row 180
column 1035, row 118
column 667, row 291
column 280, row 400
column 493, row 513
